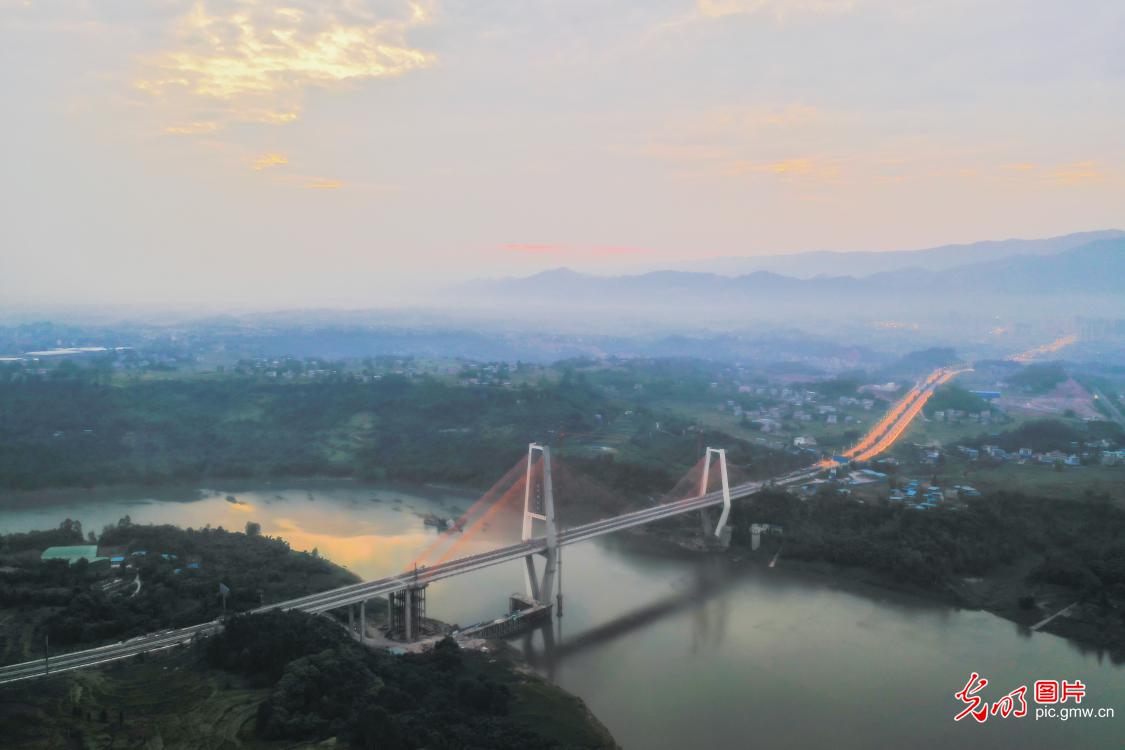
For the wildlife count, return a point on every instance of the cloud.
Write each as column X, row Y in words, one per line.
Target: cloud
column 193, row 128
column 798, row 167
column 265, row 161
column 758, row 119
column 320, row 183
column 1078, row 172
column 789, row 166
column 253, row 60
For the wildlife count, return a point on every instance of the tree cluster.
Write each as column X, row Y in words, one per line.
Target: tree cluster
column 325, row 685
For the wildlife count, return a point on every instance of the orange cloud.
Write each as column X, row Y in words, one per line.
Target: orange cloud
column 265, row 161
column 193, row 128
column 258, row 60
column 322, row 184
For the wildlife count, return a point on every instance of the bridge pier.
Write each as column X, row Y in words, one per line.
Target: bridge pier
column 406, row 611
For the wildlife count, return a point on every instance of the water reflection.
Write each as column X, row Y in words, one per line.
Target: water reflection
column 668, row 648
column 698, row 596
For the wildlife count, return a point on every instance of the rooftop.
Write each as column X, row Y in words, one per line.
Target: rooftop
column 73, row 554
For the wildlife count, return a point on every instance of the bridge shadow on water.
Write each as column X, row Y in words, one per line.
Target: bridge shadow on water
column 546, row 646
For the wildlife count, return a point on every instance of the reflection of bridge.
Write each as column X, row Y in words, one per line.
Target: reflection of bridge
column 705, row 587
column 406, row 591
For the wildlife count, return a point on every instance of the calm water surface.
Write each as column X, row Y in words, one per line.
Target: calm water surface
column 672, row 650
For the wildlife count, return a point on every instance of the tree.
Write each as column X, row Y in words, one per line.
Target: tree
column 253, row 528
column 378, row 730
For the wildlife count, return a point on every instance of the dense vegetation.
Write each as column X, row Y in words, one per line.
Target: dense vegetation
column 292, row 680
column 1039, row 378
column 325, row 685
column 83, row 603
column 74, row 431
column 1050, row 435
column 77, row 430
column 955, row 397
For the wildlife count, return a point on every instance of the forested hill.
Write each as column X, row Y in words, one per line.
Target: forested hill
column 75, row 431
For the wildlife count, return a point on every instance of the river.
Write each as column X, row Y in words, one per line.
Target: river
column 678, row 650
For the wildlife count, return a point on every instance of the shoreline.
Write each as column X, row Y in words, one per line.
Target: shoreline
column 984, row 594
column 190, row 492
column 1051, row 618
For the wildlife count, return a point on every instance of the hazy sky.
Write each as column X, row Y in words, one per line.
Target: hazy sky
column 340, row 152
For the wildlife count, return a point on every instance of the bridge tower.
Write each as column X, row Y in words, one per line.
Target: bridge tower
column 539, row 505
column 721, row 526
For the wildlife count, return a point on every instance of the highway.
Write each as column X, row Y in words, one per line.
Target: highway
column 103, row 654
column 890, row 428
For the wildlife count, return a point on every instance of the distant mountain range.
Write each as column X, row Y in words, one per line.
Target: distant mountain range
column 860, row 264
column 1091, row 273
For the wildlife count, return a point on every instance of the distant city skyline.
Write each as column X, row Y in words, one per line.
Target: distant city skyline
column 248, row 154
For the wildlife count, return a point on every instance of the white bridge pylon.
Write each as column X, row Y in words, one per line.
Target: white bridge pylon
column 705, row 480
column 539, row 505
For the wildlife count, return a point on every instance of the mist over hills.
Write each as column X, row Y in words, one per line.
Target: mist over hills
column 1086, row 279
column 989, row 308
column 865, row 263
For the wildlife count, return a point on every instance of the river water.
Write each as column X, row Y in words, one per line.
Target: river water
column 677, row 650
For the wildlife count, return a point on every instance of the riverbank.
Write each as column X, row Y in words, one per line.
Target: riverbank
column 998, row 594
column 187, row 492
column 1021, row 591
column 86, row 604
column 1003, row 591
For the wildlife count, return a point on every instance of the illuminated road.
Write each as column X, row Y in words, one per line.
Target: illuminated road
column 895, row 430
column 893, row 424
column 1032, row 354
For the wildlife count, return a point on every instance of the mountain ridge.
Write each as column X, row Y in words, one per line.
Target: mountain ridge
column 1096, row 268
column 866, row 262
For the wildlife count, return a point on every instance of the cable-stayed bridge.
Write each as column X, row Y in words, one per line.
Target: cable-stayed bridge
column 405, row 591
